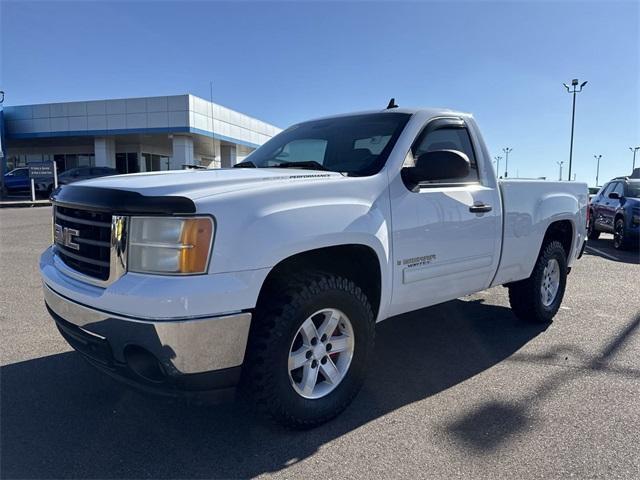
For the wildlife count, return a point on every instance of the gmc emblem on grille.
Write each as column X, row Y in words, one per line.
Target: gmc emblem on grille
column 64, row 236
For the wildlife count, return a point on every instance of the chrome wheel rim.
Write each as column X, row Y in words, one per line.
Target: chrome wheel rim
column 321, row 353
column 550, row 282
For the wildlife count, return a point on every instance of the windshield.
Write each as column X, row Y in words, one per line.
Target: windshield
column 356, row 144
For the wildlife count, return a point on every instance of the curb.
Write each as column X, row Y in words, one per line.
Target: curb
column 24, row 203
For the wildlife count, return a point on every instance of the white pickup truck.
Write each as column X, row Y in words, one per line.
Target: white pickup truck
column 273, row 275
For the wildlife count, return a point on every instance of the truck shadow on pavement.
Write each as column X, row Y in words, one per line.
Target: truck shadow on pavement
column 493, row 423
column 62, row 419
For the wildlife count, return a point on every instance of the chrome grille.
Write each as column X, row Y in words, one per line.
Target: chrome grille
column 88, row 249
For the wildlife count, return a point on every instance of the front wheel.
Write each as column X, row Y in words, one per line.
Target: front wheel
column 308, row 349
column 538, row 298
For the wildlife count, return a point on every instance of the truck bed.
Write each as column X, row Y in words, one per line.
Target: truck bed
column 528, row 207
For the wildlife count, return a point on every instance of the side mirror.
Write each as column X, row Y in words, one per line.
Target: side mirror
column 614, row 196
column 437, row 165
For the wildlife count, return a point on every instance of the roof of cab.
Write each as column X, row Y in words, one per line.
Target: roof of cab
column 427, row 112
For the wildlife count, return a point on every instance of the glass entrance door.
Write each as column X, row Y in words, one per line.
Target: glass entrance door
column 127, row 162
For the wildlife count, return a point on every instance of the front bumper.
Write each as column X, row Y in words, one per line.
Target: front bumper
column 170, row 356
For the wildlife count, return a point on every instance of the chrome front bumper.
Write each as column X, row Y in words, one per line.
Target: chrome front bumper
column 183, row 347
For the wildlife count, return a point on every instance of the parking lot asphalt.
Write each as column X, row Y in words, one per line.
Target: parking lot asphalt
column 462, row 389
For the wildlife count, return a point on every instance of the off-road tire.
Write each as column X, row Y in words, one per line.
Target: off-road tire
column 279, row 315
column 524, row 296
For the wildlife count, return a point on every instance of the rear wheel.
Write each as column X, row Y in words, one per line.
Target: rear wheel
column 308, row 349
column 592, row 233
column 620, row 241
column 538, row 298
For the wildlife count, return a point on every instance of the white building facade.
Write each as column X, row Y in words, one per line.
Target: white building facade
column 131, row 134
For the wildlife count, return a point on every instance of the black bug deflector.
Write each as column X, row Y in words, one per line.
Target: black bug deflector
column 124, row 202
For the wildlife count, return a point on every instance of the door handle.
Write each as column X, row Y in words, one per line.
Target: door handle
column 481, row 208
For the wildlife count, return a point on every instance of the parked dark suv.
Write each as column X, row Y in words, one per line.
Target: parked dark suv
column 616, row 209
column 75, row 175
column 17, row 180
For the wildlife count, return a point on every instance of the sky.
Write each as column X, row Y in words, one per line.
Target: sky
column 505, row 62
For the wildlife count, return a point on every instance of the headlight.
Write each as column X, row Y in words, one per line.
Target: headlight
column 169, row 245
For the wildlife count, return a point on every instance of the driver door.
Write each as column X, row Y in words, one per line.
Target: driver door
column 444, row 246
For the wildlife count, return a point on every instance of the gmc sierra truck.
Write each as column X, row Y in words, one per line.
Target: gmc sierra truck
column 271, row 275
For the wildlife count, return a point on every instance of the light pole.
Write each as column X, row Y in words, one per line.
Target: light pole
column 506, row 151
column 634, row 150
column 498, row 158
column 574, row 84
column 2, row 161
column 560, row 174
column 597, row 157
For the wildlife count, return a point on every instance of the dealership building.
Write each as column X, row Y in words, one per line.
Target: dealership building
column 131, row 134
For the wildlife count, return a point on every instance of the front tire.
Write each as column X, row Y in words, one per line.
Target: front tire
column 538, row 298
column 308, row 349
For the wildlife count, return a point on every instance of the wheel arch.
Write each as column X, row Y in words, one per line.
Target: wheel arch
column 359, row 262
column 562, row 231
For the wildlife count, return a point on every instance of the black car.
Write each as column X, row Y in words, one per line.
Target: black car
column 616, row 209
column 75, row 175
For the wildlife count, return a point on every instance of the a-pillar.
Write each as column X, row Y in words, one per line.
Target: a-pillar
column 105, row 151
column 182, row 152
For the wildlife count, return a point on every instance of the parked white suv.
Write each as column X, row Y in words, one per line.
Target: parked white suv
column 273, row 276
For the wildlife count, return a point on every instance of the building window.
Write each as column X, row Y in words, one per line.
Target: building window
column 68, row 161
column 15, row 161
column 154, row 163
column 127, row 162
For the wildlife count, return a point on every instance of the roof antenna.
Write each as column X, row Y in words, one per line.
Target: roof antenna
column 392, row 104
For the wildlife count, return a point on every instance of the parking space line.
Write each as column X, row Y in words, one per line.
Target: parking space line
column 600, row 252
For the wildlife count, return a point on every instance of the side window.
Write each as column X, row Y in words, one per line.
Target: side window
column 619, row 188
column 22, row 173
column 604, row 191
column 451, row 138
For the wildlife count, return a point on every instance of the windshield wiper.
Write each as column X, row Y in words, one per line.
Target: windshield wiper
column 245, row 164
column 308, row 165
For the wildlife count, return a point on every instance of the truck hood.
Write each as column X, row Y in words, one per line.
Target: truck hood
column 196, row 184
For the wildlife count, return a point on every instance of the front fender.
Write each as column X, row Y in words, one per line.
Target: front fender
column 259, row 229
column 269, row 234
